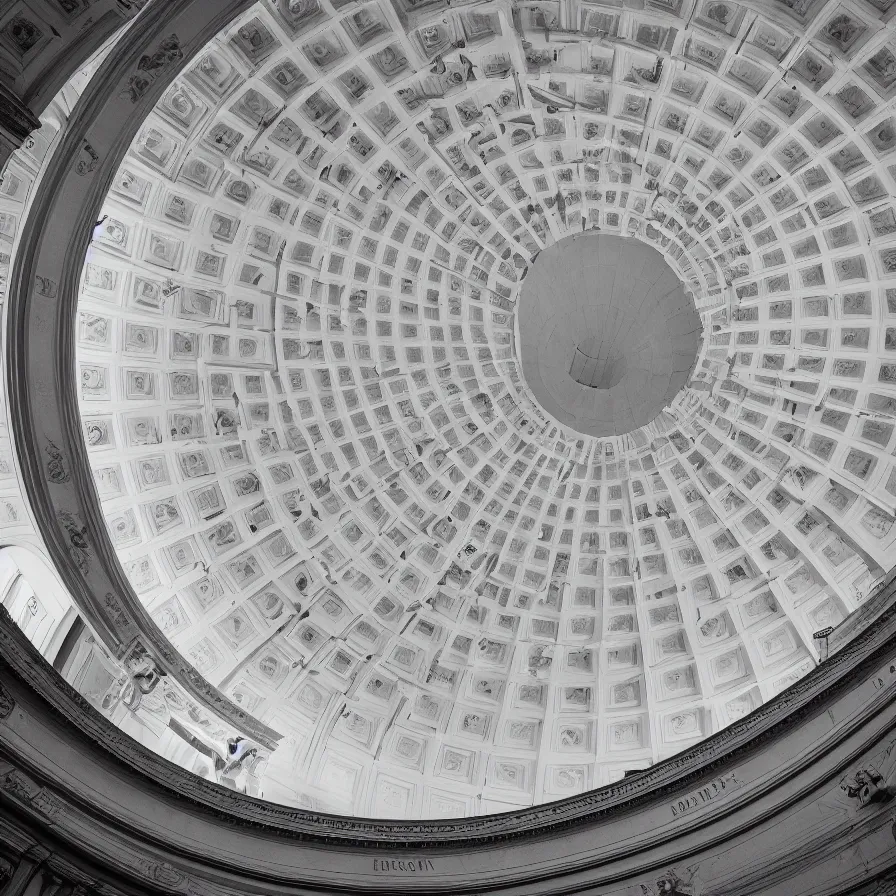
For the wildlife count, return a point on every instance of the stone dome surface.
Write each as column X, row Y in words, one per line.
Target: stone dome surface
column 607, row 334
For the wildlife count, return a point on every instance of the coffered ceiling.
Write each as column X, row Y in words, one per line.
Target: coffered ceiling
column 304, row 387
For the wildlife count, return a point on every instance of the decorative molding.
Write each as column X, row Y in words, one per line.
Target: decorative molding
column 53, row 462
column 664, row 782
column 80, row 826
column 7, row 703
column 874, row 605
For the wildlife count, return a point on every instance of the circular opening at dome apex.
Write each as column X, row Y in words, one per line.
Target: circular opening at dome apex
column 607, row 334
column 597, row 363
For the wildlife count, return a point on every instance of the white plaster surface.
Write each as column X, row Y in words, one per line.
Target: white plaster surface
column 607, row 334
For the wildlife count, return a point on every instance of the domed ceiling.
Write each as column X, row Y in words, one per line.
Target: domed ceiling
column 310, row 404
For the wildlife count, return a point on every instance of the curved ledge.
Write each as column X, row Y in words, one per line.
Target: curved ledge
column 774, row 779
column 783, row 716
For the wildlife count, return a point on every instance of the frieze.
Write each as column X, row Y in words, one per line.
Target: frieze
column 696, row 799
column 403, row 866
column 780, row 715
column 874, row 604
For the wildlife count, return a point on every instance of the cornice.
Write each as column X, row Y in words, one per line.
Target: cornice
column 877, row 602
column 809, row 697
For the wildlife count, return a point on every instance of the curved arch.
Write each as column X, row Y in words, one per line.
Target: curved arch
column 64, row 499
column 617, row 837
column 728, row 815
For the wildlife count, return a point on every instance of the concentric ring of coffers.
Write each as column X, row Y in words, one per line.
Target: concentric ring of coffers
column 312, row 435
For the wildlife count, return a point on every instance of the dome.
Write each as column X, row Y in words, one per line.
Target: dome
column 494, row 399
